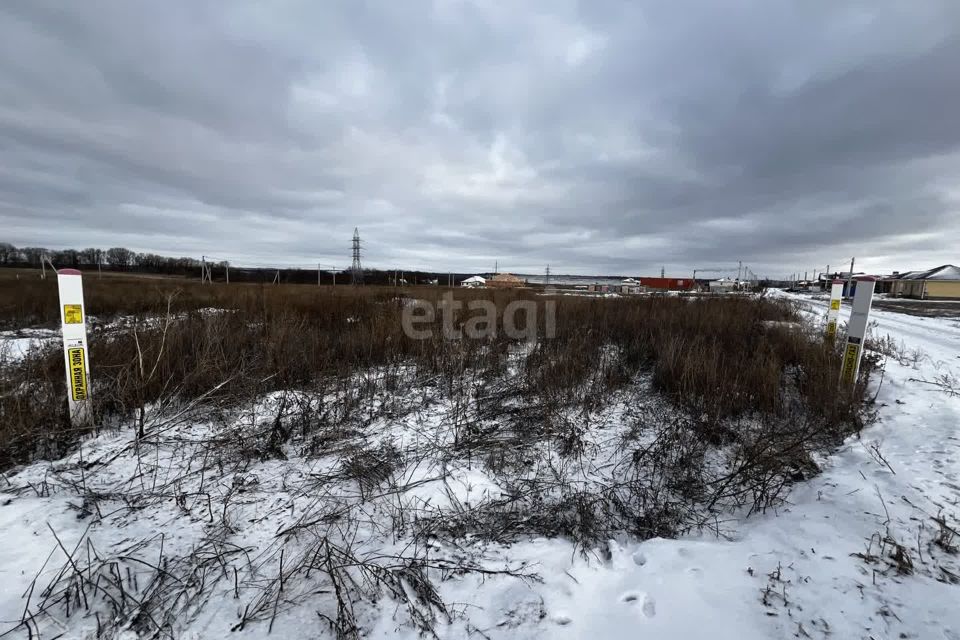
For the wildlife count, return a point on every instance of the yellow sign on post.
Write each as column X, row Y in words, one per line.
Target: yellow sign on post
column 72, row 314
column 851, row 358
column 836, row 292
column 831, row 329
column 78, row 373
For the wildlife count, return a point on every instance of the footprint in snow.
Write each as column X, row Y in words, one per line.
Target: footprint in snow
column 647, row 604
column 562, row 619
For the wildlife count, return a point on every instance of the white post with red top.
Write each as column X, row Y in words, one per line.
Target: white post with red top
column 857, row 331
column 833, row 314
column 73, row 319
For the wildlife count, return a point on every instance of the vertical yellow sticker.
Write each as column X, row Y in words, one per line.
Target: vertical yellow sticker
column 835, row 305
column 849, row 363
column 831, row 329
column 72, row 314
column 78, row 373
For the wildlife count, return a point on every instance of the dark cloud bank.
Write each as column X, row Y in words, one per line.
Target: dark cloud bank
column 599, row 136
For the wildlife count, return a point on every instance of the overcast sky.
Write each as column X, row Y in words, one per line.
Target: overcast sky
column 599, row 136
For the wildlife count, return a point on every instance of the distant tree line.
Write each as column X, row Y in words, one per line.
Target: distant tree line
column 124, row 260
column 113, row 259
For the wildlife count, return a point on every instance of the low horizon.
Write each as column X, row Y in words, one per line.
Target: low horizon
column 704, row 273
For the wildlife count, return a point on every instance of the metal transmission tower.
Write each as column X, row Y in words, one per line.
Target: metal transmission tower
column 356, row 271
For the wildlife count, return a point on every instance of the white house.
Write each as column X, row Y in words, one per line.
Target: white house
column 474, row 281
column 723, row 285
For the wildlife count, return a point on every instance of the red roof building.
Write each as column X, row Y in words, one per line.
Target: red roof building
column 668, row 284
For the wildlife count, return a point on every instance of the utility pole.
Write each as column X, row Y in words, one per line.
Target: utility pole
column 227, row 265
column 547, row 286
column 663, row 272
column 739, row 269
column 318, row 274
column 850, row 279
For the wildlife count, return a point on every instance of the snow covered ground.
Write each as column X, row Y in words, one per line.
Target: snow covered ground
column 14, row 345
column 866, row 549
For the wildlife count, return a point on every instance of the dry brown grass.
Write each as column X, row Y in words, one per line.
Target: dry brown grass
column 172, row 340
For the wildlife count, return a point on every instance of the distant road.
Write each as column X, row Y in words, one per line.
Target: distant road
column 924, row 308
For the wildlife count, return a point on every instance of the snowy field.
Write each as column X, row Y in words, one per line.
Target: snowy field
column 14, row 345
column 865, row 549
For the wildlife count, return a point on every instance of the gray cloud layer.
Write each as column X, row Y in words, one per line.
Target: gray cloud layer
column 599, row 136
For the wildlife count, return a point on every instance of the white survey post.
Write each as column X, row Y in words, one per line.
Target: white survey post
column 856, row 331
column 73, row 320
column 833, row 314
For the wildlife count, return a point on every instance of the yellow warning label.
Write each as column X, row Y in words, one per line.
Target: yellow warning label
column 849, row 369
column 831, row 329
column 835, row 305
column 78, row 373
column 72, row 314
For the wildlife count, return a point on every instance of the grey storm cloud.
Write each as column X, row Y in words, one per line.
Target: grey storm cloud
column 600, row 136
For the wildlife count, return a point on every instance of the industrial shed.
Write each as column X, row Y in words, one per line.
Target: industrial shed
column 941, row 283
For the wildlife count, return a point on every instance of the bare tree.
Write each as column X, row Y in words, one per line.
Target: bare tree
column 33, row 255
column 8, row 253
column 88, row 256
column 120, row 257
